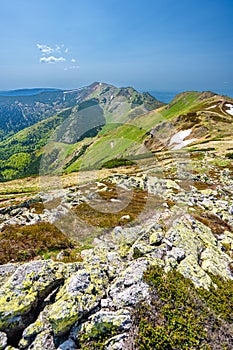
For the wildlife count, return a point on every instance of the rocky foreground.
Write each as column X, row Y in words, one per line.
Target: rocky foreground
column 186, row 226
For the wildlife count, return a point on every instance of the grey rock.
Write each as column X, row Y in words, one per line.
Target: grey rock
column 3, row 341
column 117, row 343
column 6, row 271
column 67, row 345
column 43, row 341
column 177, row 254
column 104, row 322
column 22, row 292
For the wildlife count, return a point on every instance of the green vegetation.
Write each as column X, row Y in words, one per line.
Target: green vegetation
column 229, row 155
column 20, row 155
column 181, row 317
column 95, row 340
column 84, row 142
column 117, row 162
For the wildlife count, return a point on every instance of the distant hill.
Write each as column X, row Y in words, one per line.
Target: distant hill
column 86, row 110
column 106, row 125
column 34, row 105
column 27, row 92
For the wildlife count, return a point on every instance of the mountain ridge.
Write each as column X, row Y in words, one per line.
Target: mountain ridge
column 127, row 117
column 126, row 236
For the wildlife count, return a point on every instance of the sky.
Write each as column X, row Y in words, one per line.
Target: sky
column 163, row 45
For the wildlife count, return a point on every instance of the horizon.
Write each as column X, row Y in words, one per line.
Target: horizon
column 154, row 45
column 177, row 91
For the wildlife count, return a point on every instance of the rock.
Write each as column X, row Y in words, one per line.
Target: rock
column 193, row 240
column 177, row 254
column 44, row 341
column 172, row 184
column 189, row 268
column 156, row 237
column 67, row 345
column 60, row 256
column 117, row 342
column 231, row 210
column 103, row 323
column 80, row 294
column 16, row 211
column 34, row 329
column 128, row 289
column 3, row 341
column 24, row 291
column 126, row 236
column 215, row 261
column 6, row 271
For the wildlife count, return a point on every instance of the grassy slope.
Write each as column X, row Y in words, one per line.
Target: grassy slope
column 120, row 137
column 21, row 154
column 122, row 140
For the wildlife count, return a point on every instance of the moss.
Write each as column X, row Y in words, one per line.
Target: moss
column 38, row 207
column 181, row 317
column 114, row 163
column 95, row 339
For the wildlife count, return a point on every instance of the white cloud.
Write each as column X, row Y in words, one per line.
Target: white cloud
column 58, row 48
column 46, row 50
column 71, row 67
column 52, row 59
column 58, row 53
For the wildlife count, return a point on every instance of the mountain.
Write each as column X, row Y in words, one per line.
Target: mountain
column 115, row 123
column 27, row 92
column 85, row 110
column 192, row 115
column 135, row 251
column 22, row 108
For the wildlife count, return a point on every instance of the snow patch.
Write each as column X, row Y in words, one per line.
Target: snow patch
column 211, row 107
column 178, row 139
column 229, row 108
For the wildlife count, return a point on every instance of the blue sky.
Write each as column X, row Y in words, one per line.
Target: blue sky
column 151, row 44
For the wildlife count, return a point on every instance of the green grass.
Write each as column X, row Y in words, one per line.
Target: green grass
column 181, row 317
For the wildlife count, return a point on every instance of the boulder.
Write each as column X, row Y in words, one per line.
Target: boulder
column 24, row 291
column 3, row 341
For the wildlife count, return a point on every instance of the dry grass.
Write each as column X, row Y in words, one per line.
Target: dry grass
column 111, row 215
column 23, row 243
column 111, row 219
column 217, row 225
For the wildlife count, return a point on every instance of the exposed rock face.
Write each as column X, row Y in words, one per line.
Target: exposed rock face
column 22, row 293
column 52, row 305
column 3, row 340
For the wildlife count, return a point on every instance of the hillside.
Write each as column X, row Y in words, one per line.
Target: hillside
column 92, row 107
column 134, row 251
column 22, row 108
column 116, row 123
column 201, row 117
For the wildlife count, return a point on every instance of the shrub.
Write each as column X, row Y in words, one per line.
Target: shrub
column 181, row 317
column 114, row 163
column 229, row 155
